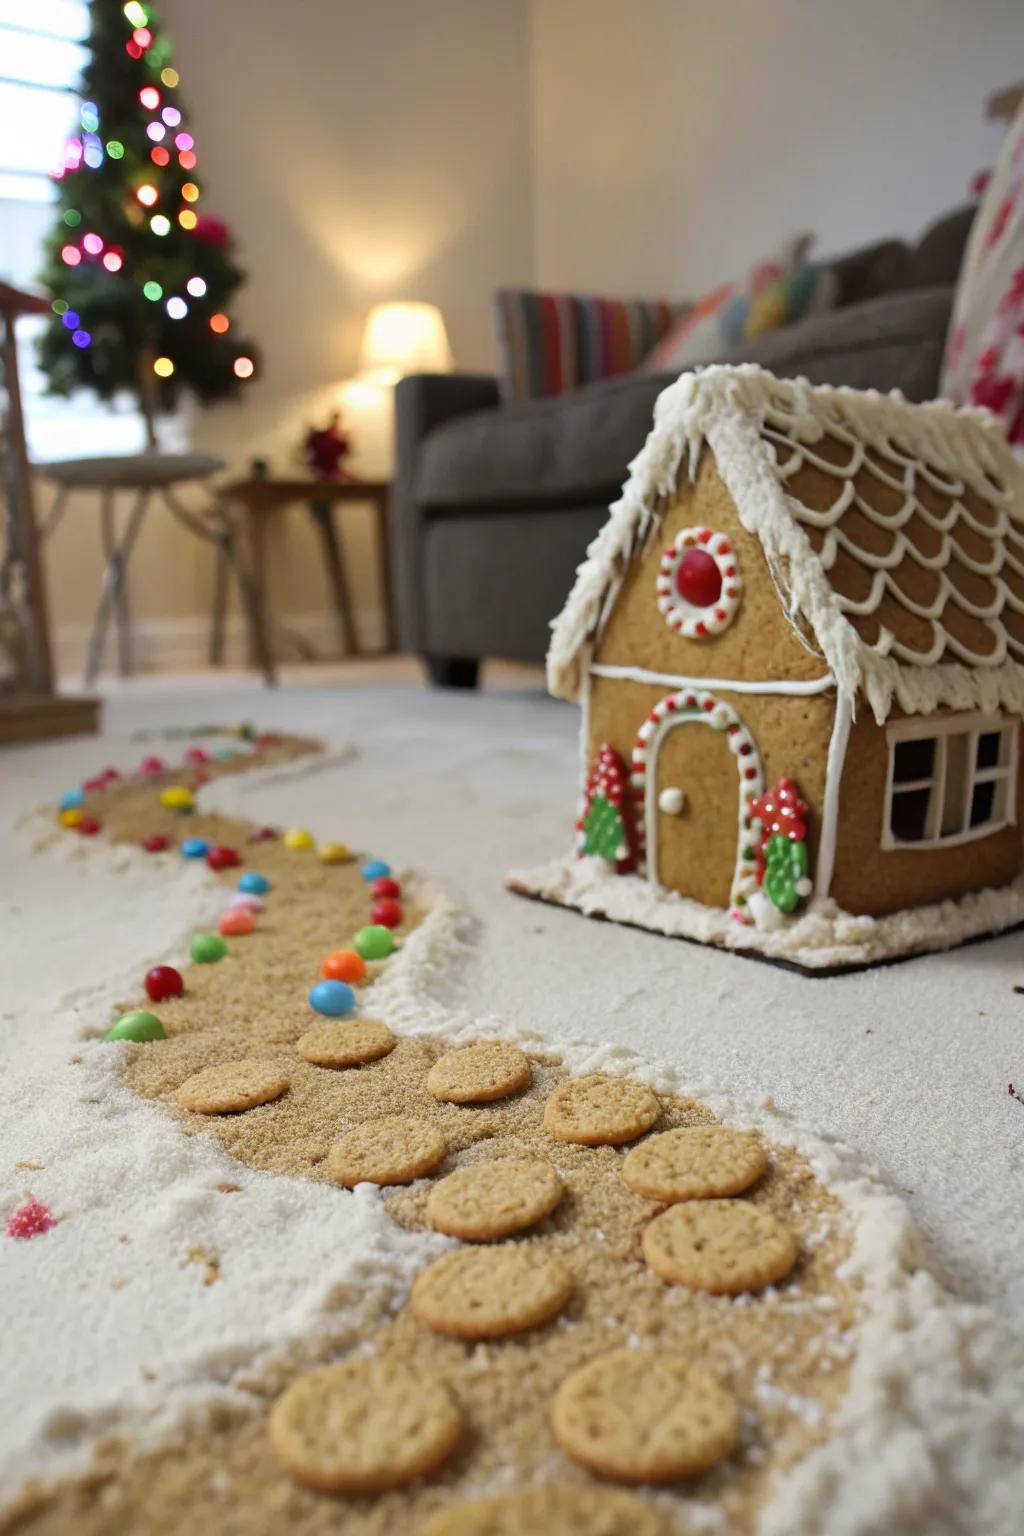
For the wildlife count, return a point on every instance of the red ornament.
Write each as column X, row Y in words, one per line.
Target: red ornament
column 264, row 834
column 30, row 1220
column 156, row 842
column 221, row 857
column 324, row 448
column 386, row 912
column 89, row 826
column 162, row 982
column 698, row 579
column 384, row 886
column 211, row 231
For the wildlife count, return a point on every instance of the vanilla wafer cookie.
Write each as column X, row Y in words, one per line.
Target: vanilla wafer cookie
column 486, row 1293
column 232, row 1086
column 694, row 1162
column 721, row 1246
column 596, row 1111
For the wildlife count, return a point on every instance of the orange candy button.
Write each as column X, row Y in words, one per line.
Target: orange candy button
column 344, row 965
column 236, row 921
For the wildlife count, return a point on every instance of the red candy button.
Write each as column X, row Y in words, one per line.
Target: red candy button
column 162, row 982
column 219, row 857
column 387, row 913
column 385, row 887
column 196, row 755
column 264, row 834
column 152, row 765
column 156, row 842
column 89, row 826
column 698, row 579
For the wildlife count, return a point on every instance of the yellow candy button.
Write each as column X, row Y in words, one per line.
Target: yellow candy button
column 334, row 853
column 71, row 817
column 177, row 798
column 298, row 839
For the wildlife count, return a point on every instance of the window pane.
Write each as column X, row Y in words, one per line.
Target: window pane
column 989, row 745
column 60, row 18
column 909, row 816
column 983, row 804
column 954, row 801
column 40, row 60
column 33, row 126
column 913, row 760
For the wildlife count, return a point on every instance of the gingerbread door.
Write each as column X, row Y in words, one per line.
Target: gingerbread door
column 698, row 770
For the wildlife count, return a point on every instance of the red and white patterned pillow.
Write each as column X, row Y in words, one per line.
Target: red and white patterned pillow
column 984, row 362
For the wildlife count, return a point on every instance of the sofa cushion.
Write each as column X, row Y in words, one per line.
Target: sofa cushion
column 575, row 449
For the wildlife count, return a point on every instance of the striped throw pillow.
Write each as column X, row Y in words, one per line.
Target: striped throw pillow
column 553, row 342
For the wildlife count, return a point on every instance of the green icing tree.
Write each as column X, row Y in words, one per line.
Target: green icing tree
column 785, row 863
column 141, row 279
column 606, row 825
column 603, row 831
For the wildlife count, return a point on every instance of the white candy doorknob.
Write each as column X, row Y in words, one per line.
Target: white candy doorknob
column 671, row 801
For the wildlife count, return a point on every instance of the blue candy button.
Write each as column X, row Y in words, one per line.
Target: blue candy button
column 376, row 869
column 72, row 799
column 255, row 883
column 194, row 847
column 333, row 998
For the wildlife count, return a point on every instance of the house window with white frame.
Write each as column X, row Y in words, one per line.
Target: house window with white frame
column 950, row 780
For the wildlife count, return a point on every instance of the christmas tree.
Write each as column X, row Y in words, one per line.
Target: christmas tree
column 606, row 826
column 141, row 280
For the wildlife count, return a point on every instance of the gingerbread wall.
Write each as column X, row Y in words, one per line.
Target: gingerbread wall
column 792, row 734
column 870, row 879
column 758, row 644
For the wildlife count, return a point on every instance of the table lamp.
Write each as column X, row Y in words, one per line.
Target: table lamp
column 401, row 338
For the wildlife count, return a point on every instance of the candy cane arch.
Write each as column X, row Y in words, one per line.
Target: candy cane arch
column 693, row 705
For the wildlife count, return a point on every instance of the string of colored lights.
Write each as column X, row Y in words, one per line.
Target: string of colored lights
column 86, row 151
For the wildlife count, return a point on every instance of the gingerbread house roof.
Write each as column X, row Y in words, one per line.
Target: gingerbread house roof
column 894, row 533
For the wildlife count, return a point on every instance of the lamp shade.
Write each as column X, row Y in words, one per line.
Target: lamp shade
column 404, row 338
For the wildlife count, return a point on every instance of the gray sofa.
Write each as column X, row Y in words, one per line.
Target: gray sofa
column 494, row 503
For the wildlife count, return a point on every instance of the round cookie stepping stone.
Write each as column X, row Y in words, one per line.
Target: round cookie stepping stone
column 348, row 1044
column 393, row 1150
column 363, row 1427
column 137, row 1025
column 232, row 1086
column 552, row 1511
column 490, row 1200
column 479, row 1073
column 694, row 1162
column 721, row 1246
column 600, row 1111
column 487, row 1293
column 644, row 1417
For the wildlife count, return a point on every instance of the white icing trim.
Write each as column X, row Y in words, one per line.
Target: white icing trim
column 735, row 684
column 689, row 621
column 1002, row 774
column 828, row 836
column 697, row 706
column 731, row 410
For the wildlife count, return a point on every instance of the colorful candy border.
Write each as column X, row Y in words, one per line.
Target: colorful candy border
column 699, row 623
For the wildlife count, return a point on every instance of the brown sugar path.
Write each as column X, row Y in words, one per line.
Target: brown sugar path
column 784, row 1355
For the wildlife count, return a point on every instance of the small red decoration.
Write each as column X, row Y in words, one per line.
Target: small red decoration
column 151, row 766
column 162, row 982
column 324, row 449
column 211, row 231
column 264, row 834
column 156, row 842
column 89, row 826
column 387, row 912
column 30, row 1220
column 94, row 786
column 221, row 857
column 385, row 886
column 196, row 756
column 779, row 810
column 698, row 579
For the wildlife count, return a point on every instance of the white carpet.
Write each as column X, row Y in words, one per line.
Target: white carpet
column 908, row 1065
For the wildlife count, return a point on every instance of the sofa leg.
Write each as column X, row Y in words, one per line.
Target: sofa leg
column 452, row 671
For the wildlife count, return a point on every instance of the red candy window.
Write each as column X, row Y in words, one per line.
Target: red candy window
column 699, row 583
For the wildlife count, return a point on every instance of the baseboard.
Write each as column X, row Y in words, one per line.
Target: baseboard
column 182, row 644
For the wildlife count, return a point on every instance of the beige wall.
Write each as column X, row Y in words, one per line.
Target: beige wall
column 361, row 150
column 676, row 139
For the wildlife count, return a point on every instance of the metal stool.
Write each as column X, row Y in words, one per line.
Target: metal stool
column 150, row 477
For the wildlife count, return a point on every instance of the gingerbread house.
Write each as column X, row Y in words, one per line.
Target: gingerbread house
column 798, row 643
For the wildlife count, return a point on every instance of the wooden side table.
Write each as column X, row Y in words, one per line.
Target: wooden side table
column 261, row 498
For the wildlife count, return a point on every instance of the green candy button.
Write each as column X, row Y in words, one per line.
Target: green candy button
column 374, row 943
column 208, row 947
column 136, row 1026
